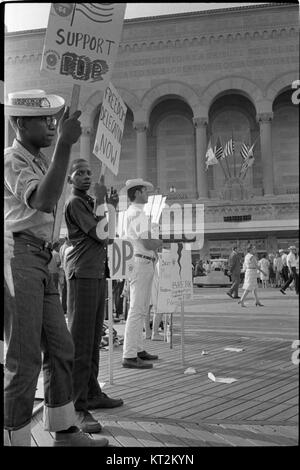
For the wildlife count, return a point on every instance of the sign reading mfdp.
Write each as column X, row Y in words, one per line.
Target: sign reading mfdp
column 120, row 259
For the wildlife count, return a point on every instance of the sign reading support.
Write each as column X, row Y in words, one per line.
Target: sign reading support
column 120, row 259
column 110, row 129
column 82, row 41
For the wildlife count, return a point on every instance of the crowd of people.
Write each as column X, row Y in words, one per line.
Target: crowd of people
column 54, row 317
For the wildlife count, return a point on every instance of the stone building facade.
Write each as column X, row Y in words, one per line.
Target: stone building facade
column 188, row 79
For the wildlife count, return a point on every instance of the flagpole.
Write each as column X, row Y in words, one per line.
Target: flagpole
column 223, row 168
column 233, row 148
column 225, row 158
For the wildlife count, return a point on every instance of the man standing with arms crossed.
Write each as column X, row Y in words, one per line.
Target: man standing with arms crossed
column 139, row 231
column 35, row 324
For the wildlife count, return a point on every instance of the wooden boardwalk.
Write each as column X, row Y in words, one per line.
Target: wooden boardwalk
column 166, row 408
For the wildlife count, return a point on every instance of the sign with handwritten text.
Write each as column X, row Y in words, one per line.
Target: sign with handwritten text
column 82, row 41
column 175, row 278
column 111, row 123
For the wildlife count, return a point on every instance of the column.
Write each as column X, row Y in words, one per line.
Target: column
column 85, row 143
column 265, row 125
column 141, row 149
column 201, row 146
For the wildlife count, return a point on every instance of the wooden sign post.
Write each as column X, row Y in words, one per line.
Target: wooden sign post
column 61, row 202
column 86, row 61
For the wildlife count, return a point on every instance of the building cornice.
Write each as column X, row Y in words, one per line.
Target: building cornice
column 219, row 11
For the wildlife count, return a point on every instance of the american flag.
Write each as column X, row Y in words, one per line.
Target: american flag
column 210, row 156
column 248, row 158
column 246, row 151
column 219, row 150
column 96, row 12
column 229, row 148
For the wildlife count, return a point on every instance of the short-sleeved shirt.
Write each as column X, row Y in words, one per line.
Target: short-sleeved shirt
column 88, row 257
column 136, row 224
column 23, row 173
column 291, row 260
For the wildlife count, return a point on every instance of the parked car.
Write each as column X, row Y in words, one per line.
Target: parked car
column 216, row 275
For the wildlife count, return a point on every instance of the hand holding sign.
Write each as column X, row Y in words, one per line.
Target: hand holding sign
column 69, row 129
column 113, row 198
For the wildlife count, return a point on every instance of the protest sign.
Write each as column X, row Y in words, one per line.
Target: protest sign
column 120, row 259
column 175, row 278
column 82, row 41
column 109, row 134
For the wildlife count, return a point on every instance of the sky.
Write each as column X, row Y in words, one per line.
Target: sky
column 21, row 16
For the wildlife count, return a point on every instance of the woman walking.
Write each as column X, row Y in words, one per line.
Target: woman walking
column 250, row 283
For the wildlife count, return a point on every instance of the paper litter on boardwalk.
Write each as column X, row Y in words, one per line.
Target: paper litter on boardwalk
column 225, row 380
column 190, row 370
column 234, row 349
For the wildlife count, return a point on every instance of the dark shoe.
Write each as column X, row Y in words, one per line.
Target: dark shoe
column 87, row 423
column 103, row 401
column 78, row 439
column 282, row 291
column 136, row 363
column 258, row 304
column 146, row 356
column 237, row 297
column 230, row 295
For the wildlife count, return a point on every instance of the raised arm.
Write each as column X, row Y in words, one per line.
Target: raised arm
column 49, row 190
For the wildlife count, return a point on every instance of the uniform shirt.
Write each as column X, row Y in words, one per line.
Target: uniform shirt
column 136, row 224
column 87, row 258
column 23, row 173
column 291, row 260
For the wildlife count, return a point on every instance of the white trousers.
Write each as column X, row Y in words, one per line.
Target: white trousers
column 140, row 293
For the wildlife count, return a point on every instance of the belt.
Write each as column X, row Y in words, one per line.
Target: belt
column 35, row 241
column 145, row 257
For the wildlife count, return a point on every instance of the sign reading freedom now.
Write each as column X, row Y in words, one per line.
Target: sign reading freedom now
column 111, row 123
column 82, row 41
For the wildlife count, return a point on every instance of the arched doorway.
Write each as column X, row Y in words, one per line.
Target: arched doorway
column 171, row 151
column 233, row 115
column 285, row 144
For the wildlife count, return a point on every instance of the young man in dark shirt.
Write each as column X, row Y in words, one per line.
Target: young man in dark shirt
column 86, row 272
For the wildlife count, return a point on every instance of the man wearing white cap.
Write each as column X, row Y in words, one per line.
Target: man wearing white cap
column 34, row 320
column 292, row 262
column 139, row 231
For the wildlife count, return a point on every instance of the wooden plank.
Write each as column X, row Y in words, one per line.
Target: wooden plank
column 159, row 431
column 41, row 437
column 145, row 438
column 125, row 438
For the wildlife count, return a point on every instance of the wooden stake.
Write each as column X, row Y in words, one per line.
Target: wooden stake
column 110, row 330
column 62, row 199
column 182, row 331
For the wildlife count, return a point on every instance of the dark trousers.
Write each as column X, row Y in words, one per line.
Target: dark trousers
column 234, row 289
column 118, row 289
column 285, row 273
column 293, row 277
column 86, row 308
column 34, row 323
